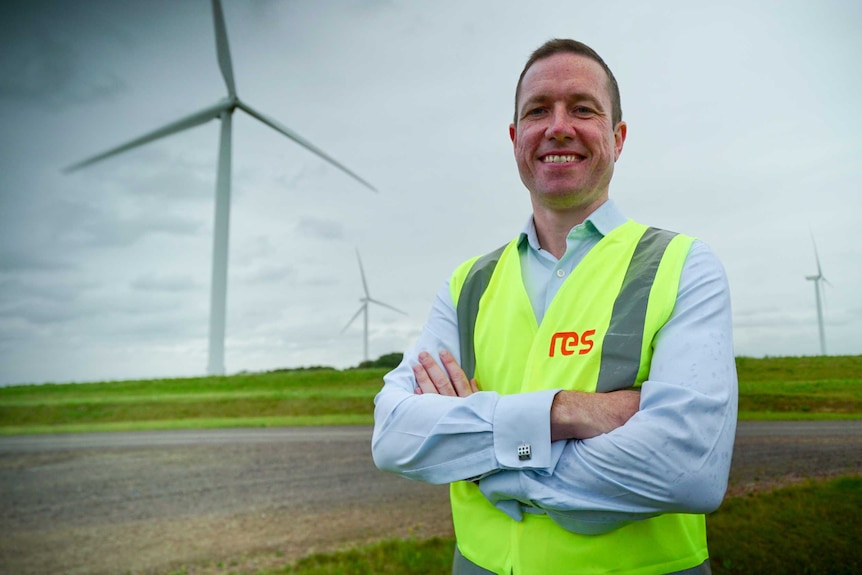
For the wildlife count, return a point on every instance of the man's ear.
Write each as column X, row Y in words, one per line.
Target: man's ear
column 512, row 132
column 619, row 139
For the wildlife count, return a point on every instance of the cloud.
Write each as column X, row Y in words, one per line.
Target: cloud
column 158, row 173
column 269, row 274
column 40, row 302
column 320, row 228
column 54, row 287
column 84, row 224
column 40, row 312
column 42, row 63
column 772, row 318
column 166, row 283
column 21, row 260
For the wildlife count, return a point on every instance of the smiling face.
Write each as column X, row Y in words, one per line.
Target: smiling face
column 565, row 141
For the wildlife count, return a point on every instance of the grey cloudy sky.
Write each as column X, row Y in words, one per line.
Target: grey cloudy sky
column 743, row 129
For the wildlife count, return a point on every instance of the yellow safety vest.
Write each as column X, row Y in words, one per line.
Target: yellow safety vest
column 596, row 336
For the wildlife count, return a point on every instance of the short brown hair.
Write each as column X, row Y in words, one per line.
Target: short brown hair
column 558, row 46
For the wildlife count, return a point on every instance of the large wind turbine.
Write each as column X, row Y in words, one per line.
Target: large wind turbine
column 364, row 307
column 817, row 289
column 223, row 111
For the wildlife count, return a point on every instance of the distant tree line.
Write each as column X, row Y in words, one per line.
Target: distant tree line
column 304, row 368
column 389, row 361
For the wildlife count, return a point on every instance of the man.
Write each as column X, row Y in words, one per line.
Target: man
column 592, row 423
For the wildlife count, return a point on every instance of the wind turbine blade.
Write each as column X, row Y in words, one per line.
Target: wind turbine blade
column 190, row 121
column 387, row 305
column 223, row 49
column 362, row 272
column 356, row 315
column 302, row 142
column 816, row 256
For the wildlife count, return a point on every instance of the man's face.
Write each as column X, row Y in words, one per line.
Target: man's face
column 565, row 141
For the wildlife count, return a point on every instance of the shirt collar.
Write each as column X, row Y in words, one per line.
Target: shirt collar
column 602, row 220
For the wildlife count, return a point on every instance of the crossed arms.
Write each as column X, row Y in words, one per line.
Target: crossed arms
column 598, row 460
column 574, row 414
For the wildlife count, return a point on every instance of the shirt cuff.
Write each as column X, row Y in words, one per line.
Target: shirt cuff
column 522, row 430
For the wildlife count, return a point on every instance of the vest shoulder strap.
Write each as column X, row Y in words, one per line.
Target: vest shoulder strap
column 467, row 310
column 621, row 349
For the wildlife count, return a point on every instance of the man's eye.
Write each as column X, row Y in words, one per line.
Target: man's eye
column 582, row 111
column 535, row 112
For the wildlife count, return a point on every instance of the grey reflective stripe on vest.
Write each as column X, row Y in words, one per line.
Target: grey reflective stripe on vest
column 463, row 566
column 468, row 306
column 621, row 348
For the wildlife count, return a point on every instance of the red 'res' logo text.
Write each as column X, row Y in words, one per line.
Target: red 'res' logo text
column 568, row 342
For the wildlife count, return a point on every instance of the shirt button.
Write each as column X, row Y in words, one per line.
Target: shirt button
column 561, row 273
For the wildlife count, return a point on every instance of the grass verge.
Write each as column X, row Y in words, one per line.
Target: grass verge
column 297, row 398
column 812, row 528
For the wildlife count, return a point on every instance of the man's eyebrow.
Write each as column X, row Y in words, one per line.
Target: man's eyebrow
column 585, row 97
column 533, row 101
column 571, row 98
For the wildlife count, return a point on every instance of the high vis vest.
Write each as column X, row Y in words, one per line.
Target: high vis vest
column 596, row 336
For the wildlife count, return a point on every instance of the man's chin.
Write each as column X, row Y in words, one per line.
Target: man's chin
column 569, row 199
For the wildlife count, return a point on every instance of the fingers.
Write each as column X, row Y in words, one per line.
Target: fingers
column 458, row 378
column 451, row 381
column 423, row 380
column 439, row 378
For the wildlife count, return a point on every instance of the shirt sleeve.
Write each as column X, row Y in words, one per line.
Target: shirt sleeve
column 441, row 439
column 674, row 454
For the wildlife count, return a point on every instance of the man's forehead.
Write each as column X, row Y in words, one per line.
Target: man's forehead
column 581, row 74
column 563, row 66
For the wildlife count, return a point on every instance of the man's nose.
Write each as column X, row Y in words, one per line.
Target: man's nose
column 560, row 127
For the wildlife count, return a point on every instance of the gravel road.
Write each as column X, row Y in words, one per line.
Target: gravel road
column 151, row 502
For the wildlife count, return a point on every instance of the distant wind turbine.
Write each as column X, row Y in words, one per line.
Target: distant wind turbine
column 223, row 111
column 817, row 289
column 364, row 307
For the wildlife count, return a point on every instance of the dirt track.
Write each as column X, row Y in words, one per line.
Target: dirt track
column 152, row 502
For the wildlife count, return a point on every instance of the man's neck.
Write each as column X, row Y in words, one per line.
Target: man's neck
column 553, row 225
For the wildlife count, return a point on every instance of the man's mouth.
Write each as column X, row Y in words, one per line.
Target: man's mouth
column 560, row 158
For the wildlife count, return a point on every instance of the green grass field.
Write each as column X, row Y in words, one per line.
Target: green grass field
column 770, row 388
column 314, row 397
column 800, row 387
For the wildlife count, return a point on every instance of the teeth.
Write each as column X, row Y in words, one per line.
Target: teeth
column 558, row 159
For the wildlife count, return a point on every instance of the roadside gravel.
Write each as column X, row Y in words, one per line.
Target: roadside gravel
column 223, row 500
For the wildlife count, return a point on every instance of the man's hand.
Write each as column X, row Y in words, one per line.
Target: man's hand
column 433, row 379
column 580, row 415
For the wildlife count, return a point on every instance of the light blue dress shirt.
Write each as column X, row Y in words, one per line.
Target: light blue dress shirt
column 673, row 455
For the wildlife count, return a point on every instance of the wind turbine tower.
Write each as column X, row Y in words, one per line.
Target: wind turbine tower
column 817, row 289
column 222, row 110
column 364, row 307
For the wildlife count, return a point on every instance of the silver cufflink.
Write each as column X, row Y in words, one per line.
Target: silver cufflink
column 524, row 451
